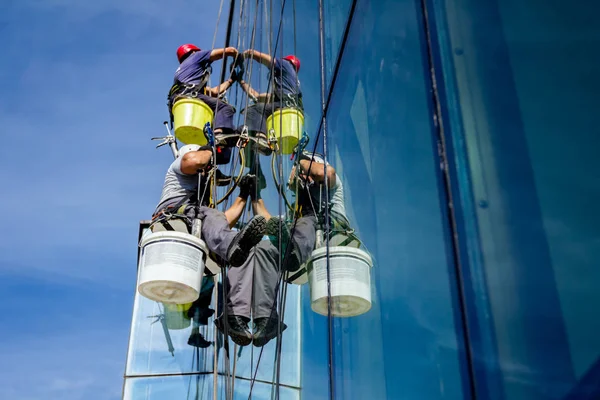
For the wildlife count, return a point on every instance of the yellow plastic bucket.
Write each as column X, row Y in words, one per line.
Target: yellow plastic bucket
column 189, row 118
column 288, row 125
column 176, row 315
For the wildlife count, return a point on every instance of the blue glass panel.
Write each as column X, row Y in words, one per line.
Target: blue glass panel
column 251, row 357
column 382, row 144
column 296, row 33
column 200, row 387
column 335, row 14
column 520, row 84
column 159, row 341
column 150, row 351
column 315, row 352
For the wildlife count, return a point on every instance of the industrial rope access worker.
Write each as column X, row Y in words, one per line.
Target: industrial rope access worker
column 285, row 93
column 191, row 78
column 253, row 286
column 179, row 205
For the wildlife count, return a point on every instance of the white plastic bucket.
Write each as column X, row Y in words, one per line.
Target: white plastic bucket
column 171, row 267
column 350, row 274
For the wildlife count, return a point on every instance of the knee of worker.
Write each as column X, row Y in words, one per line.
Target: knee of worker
column 225, row 108
column 265, row 256
column 212, row 219
column 306, row 227
column 207, row 212
column 305, row 235
column 255, row 112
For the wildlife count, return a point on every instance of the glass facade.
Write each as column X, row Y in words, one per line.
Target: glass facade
column 162, row 362
column 382, row 143
column 519, row 100
column 464, row 134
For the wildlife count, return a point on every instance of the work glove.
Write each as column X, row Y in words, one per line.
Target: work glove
column 247, row 186
column 237, row 70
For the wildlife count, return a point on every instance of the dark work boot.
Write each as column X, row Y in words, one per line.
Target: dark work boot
column 292, row 262
column 197, row 340
column 265, row 329
column 237, row 329
column 245, row 240
column 262, row 144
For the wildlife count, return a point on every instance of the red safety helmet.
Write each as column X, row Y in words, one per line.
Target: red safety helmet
column 184, row 50
column 294, row 60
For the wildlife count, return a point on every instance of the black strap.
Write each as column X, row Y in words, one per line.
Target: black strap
column 167, row 225
column 296, row 275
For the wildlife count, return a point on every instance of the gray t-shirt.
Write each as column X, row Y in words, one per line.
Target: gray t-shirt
column 177, row 185
column 318, row 192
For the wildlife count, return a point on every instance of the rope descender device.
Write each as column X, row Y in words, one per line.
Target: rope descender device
column 165, row 140
column 208, row 132
column 300, row 146
column 273, row 140
column 243, row 139
column 169, row 139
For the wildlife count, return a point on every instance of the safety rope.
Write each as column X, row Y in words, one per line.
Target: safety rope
column 283, row 260
column 230, row 378
column 216, row 203
column 215, row 35
column 326, row 183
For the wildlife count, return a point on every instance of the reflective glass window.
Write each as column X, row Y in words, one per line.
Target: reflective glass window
column 200, row 387
column 521, row 79
column 161, row 335
column 382, row 144
column 295, row 33
column 335, row 16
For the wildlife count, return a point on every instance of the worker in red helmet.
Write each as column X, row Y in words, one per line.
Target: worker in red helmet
column 285, row 92
column 191, row 80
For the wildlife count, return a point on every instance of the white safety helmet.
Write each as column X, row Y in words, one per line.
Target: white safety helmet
column 187, row 148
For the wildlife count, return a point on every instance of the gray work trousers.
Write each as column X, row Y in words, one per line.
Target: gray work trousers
column 252, row 287
column 215, row 229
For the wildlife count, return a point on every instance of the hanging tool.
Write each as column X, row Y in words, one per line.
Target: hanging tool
column 161, row 318
column 169, row 139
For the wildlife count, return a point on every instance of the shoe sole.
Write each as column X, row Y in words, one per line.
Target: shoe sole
column 261, row 341
column 249, row 236
column 272, row 229
column 239, row 339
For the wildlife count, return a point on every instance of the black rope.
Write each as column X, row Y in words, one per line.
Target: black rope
column 326, row 183
column 283, row 300
column 225, row 322
column 292, row 231
column 226, row 349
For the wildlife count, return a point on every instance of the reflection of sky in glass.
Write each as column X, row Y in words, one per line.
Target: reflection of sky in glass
column 526, row 123
column 381, row 142
column 199, row 387
column 148, row 350
column 336, row 14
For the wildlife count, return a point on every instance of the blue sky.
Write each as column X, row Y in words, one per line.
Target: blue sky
column 82, row 90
